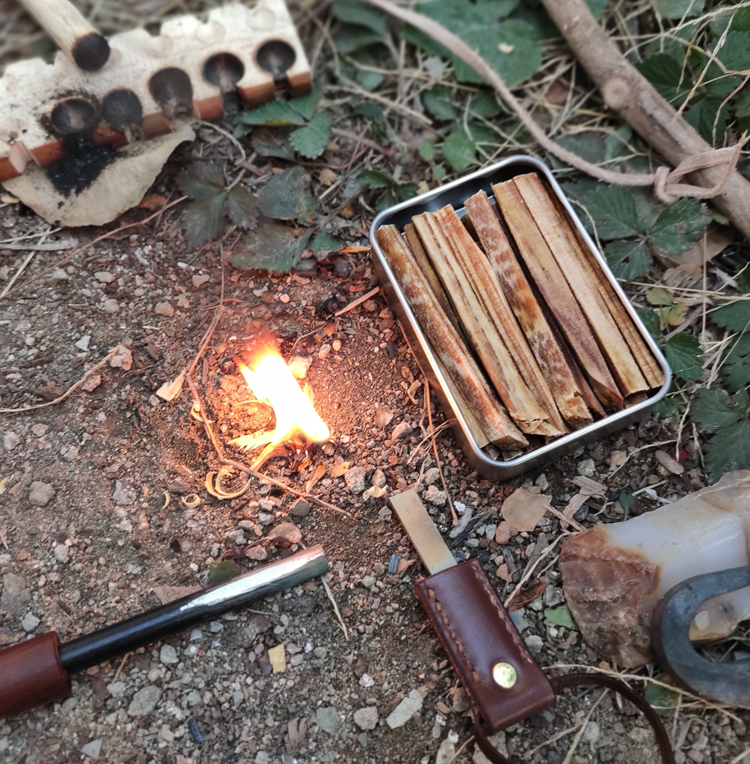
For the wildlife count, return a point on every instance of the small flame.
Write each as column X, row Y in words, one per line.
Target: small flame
column 271, row 379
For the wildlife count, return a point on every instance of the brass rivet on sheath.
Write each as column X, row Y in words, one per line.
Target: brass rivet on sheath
column 504, row 674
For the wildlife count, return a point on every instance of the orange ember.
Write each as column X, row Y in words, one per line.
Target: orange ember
column 271, row 379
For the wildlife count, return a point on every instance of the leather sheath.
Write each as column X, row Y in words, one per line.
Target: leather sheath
column 31, row 674
column 477, row 633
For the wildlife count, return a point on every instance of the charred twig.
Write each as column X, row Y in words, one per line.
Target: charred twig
column 243, row 468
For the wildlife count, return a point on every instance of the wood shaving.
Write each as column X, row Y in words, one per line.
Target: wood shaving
column 191, row 501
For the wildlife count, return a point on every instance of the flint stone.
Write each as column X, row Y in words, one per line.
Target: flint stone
column 327, row 719
column 366, row 718
column 144, row 701
column 355, row 479
column 401, row 431
column 405, row 710
column 41, row 494
column 92, row 749
column 124, row 494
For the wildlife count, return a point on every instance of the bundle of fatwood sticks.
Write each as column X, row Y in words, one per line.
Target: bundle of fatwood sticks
column 530, row 335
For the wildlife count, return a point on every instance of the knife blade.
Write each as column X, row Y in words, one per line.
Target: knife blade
column 481, row 640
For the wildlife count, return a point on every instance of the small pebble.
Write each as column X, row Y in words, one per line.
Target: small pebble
column 83, row 343
column 164, row 309
column 41, row 494
column 144, row 701
column 405, row 710
column 59, row 275
column 325, row 351
column 327, row 719
column 587, row 468
column 30, row 622
column 168, row 654
column 401, row 431
column 111, row 305
column 300, row 508
column 104, row 276
column 10, row 440
column 366, row 718
column 355, row 479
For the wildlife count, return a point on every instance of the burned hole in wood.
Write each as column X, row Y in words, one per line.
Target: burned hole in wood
column 276, row 57
column 172, row 90
column 225, row 70
column 122, row 110
column 73, row 114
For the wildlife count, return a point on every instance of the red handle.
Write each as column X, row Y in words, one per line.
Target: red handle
column 31, row 674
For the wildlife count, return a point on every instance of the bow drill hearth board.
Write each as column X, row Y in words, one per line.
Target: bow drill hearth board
column 149, row 80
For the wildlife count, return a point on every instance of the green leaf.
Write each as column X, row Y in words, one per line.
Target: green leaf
column 460, row 152
column 276, row 112
column 661, row 699
column 626, row 500
column 659, row 296
column 678, row 226
column 732, row 56
column 650, row 321
column 665, row 408
column 203, row 219
column 739, row 20
column 742, row 105
column 439, row 102
column 427, row 150
column 287, row 197
column 560, row 616
column 510, row 47
column 676, row 9
column 242, row 207
column 614, row 212
column 737, row 364
column 353, row 12
column 222, row 572
column 201, row 179
column 349, row 38
column 734, row 316
column 479, row 132
column 709, row 118
column 273, row 142
column 306, row 104
column 368, row 179
column 715, row 410
column 272, row 246
column 324, row 243
column 310, row 141
column 485, row 104
column 627, row 258
column 684, row 356
column 666, row 74
column 728, row 450
column 587, row 144
column 616, row 143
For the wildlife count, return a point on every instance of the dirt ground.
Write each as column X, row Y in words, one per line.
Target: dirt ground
column 97, row 516
column 104, row 538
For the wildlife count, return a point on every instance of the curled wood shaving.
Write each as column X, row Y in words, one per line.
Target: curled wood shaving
column 213, row 485
column 167, row 499
column 197, row 413
column 415, row 385
column 191, row 501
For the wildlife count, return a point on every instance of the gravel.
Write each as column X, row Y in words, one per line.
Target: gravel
column 41, row 494
column 30, row 622
column 144, row 701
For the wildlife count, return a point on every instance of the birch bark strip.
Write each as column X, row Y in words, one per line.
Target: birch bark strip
column 517, row 290
column 478, row 271
column 489, row 347
column 562, row 244
column 448, row 346
column 555, row 290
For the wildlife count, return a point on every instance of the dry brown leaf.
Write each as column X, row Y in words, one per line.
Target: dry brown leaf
column 277, row 657
column 339, row 469
column 669, row 464
column 320, row 470
column 590, row 487
column 170, row 390
column 523, row 509
column 527, row 595
column 120, row 186
column 383, row 416
column 717, row 239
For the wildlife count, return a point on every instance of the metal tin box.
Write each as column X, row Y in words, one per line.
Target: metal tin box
column 456, row 193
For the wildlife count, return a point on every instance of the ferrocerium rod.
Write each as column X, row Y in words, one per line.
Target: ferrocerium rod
column 36, row 671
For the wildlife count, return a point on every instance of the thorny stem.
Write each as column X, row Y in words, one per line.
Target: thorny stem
column 243, row 468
